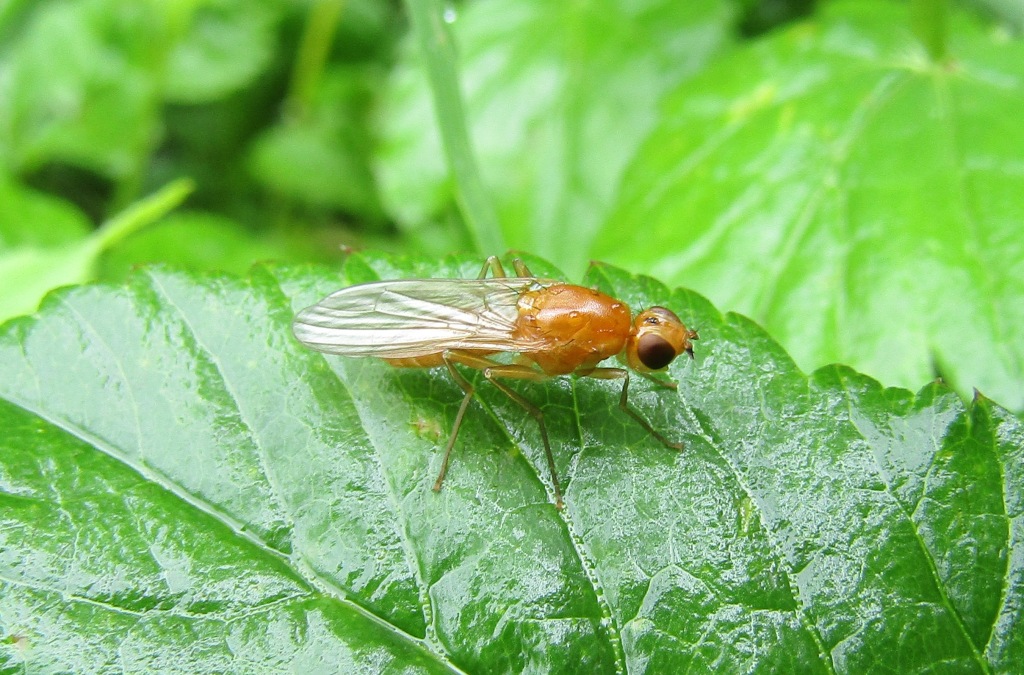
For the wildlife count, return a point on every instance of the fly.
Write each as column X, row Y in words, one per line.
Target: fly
column 552, row 327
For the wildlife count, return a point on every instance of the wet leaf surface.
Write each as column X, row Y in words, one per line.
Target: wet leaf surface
column 183, row 484
column 860, row 201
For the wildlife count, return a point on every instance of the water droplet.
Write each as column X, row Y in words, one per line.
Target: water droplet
column 450, row 14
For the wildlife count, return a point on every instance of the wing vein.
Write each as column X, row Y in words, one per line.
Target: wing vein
column 417, row 317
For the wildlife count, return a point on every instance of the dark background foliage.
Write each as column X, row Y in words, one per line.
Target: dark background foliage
column 183, row 487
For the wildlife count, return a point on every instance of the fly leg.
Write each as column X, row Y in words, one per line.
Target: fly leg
column 498, row 272
column 617, row 373
column 494, row 370
column 494, row 265
column 527, row 373
column 521, row 269
column 467, row 387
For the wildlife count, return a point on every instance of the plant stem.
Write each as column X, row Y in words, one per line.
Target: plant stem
column 928, row 19
column 312, row 55
column 142, row 213
column 438, row 52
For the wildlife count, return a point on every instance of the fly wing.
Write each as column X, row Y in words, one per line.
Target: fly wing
column 415, row 317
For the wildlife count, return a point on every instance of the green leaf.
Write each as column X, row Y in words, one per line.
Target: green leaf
column 558, row 96
column 861, row 201
column 183, row 485
column 320, row 157
column 224, row 45
column 121, row 568
column 95, row 101
column 199, row 241
column 23, row 210
column 27, row 272
column 78, row 89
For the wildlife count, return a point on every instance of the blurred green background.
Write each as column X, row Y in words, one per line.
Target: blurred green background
column 849, row 174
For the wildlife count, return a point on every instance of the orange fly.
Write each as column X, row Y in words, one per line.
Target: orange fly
column 553, row 328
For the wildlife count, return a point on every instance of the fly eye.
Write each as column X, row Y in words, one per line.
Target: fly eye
column 655, row 352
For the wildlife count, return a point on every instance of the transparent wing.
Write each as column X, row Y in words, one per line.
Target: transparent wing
column 415, row 317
